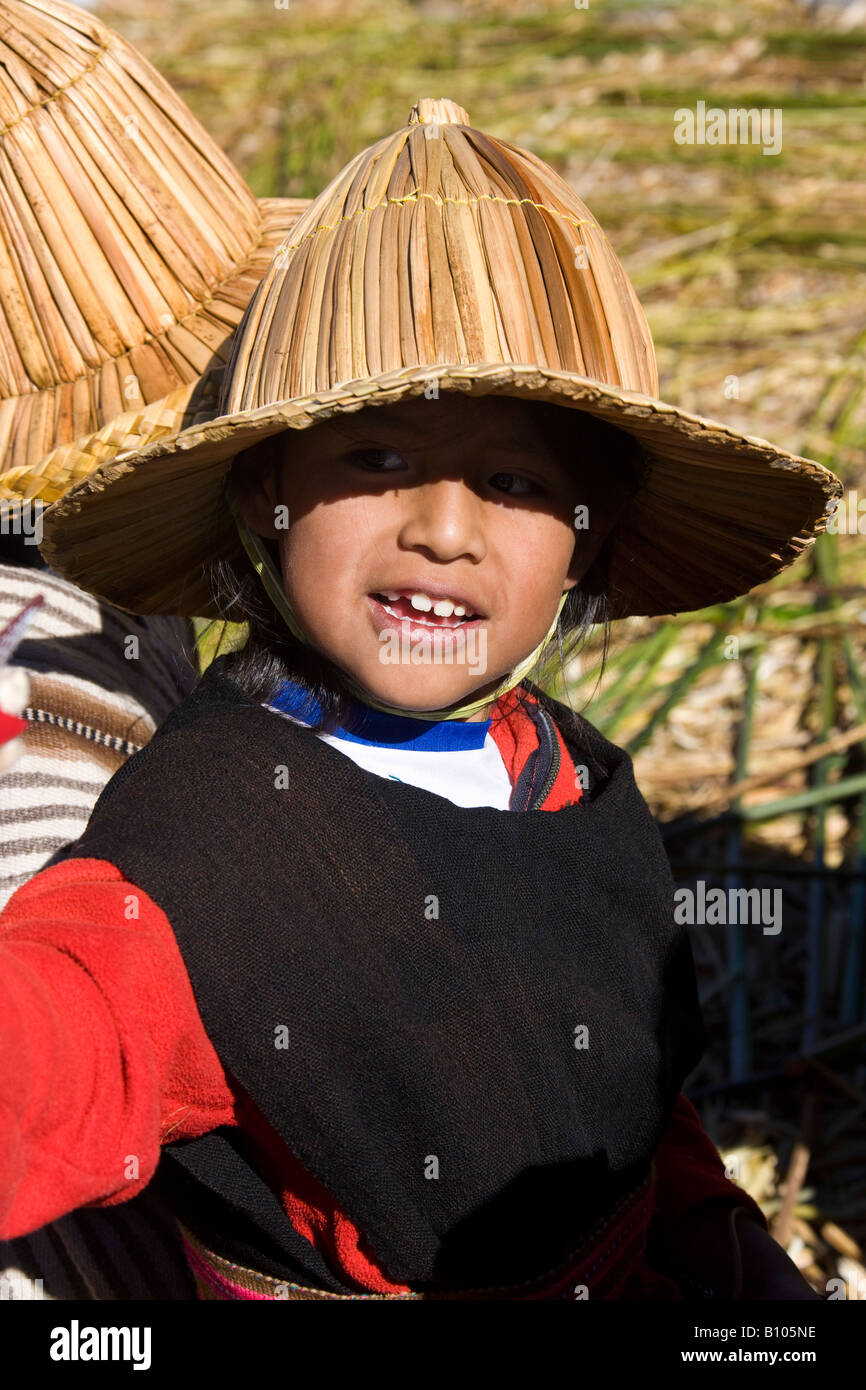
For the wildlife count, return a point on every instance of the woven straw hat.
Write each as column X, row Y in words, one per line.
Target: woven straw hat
column 129, row 249
column 443, row 255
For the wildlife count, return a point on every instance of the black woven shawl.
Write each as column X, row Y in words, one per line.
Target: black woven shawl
column 469, row 1024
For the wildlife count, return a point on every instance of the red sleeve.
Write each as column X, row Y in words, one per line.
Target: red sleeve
column 689, row 1170
column 103, row 1054
column 104, row 1057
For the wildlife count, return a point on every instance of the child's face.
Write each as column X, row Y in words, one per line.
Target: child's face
column 455, row 496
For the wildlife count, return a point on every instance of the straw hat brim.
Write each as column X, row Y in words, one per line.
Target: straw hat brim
column 189, row 358
column 716, row 514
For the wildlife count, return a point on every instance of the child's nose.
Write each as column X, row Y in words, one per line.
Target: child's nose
column 446, row 517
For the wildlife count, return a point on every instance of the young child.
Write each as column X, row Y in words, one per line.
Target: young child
column 370, row 1025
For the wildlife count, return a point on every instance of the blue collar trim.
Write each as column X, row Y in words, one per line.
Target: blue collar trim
column 380, row 730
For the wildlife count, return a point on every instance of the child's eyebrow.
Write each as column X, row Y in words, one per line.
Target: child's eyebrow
column 397, row 436
column 387, row 434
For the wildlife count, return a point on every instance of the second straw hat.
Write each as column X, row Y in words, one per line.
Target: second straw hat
column 129, row 249
column 444, row 256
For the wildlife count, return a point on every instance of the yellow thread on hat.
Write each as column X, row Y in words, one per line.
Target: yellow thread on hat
column 264, row 567
column 440, row 199
column 59, row 89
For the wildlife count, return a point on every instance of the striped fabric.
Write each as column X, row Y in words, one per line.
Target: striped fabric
column 101, row 681
column 91, row 706
column 130, row 1251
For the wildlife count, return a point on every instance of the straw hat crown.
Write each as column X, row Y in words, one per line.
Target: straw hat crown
column 129, row 243
column 439, row 244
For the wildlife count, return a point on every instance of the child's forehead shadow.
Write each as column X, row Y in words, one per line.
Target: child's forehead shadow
column 441, row 421
column 375, row 425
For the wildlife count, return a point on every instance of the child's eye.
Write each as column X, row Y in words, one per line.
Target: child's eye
column 529, row 484
column 375, row 460
column 369, row 458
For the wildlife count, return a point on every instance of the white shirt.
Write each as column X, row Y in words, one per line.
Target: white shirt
column 454, row 758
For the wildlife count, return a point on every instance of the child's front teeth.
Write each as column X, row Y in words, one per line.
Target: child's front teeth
column 443, row 607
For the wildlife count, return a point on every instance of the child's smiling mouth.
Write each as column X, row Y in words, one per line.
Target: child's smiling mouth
column 416, row 610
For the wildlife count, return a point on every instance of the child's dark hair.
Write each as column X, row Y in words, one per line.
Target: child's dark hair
column 272, row 654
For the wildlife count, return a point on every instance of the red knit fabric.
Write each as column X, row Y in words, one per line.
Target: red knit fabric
column 103, row 1058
